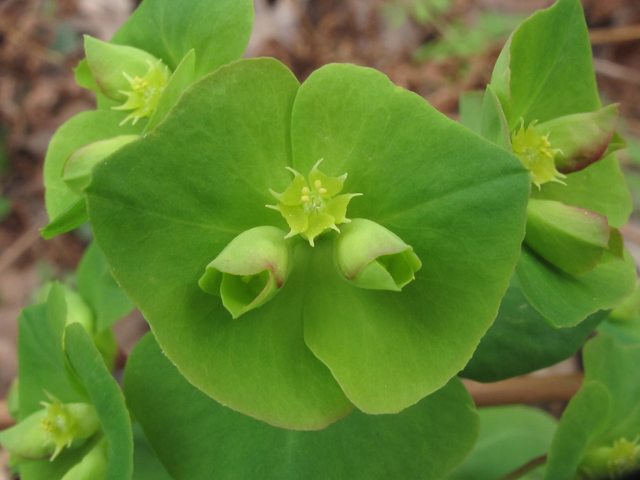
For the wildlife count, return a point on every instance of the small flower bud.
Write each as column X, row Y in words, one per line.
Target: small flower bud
column 581, row 139
column 27, row 440
column 68, row 425
column 571, row 238
column 44, row 433
column 77, row 169
column 372, row 257
column 250, row 270
column 127, row 74
column 616, row 461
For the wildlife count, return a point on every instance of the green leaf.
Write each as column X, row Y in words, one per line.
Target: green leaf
column 45, row 469
column 509, row 438
column 106, row 397
column 426, row 179
column 615, row 366
column 535, row 79
column 101, row 292
column 84, row 128
column 259, row 364
column 179, row 81
column 521, row 341
column 551, row 66
column 77, row 168
column 146, row 465
column 425, row 441
column 565, row 300
column 471, row 110
column 494, row 123
column 41, row 362
column 600, row 188
column 584, row 419
column 73, row 217
column 218, row 31
column 84, row 77
column 611, row 381
column 42, row 368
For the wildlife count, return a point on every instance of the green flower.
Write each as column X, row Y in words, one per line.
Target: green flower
column 536, row 154
column 145, row 92
column 312, row 208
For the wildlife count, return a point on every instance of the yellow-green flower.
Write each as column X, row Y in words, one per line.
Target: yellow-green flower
column 311, row 208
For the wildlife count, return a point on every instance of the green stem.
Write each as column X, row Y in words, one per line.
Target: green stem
column 526, row 468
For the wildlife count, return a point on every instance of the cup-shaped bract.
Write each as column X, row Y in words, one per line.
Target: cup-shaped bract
column 250, row 270
column 582, row 138
column 321, row 345
column 370, row 256
column 571, row 238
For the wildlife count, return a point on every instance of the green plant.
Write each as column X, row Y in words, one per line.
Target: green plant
column 319, row 262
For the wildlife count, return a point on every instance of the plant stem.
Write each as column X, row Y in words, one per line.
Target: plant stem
column 526, row 468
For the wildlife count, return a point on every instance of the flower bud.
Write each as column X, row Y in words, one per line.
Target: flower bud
column 571, row 238
column 372, row 257
column 68, row 425
column 44, row 433
column 611, row 462
column 77, row 169
column 93, row 465
column 27, row 440
column 127, row 74
column 581, row 139
column 250, row 270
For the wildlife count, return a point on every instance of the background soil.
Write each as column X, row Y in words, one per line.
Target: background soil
column 41, row 40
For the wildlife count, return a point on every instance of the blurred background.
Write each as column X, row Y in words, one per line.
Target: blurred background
column 436, row 48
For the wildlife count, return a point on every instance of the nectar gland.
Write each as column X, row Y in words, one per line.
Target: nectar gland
column 145, row 92
column 311, row 208
column 536, row 154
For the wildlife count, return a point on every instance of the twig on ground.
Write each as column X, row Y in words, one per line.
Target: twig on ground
column 525, row 389
column 617, row 71
column 21, row 245
column 627, row 33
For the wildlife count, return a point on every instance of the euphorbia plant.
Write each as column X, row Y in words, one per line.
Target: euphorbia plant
column 545, row 109
column 138, row 76
column 328, row 339
column 321, row 256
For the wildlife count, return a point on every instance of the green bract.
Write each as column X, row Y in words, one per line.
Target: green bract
column 598, row 433
column 543, row 105
column 168, row 204
column 163, row 48
column 61, row 367
column 416, row 444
